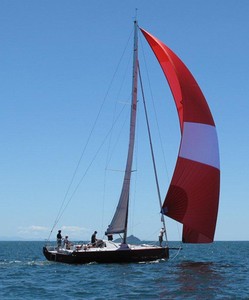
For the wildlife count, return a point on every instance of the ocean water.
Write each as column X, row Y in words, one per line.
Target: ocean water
column 214, row 271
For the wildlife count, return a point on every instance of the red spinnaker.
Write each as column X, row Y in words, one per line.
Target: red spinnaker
column 193, row 195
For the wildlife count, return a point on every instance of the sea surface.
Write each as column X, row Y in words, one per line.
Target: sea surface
column 214, row 271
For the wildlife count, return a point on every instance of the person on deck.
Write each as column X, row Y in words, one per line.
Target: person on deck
column 161, row 236
column 59, row 238
column 109, row 237
column 94, row 239
column 67, row 244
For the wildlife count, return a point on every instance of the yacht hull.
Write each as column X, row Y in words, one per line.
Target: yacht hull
column 107, row 256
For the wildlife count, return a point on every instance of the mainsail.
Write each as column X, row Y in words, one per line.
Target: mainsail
column 193, row 195
column 120, row 218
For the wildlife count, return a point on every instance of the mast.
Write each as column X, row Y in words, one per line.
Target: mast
column 133, row 117
column 120, row 219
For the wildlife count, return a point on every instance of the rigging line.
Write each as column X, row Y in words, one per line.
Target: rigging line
column 89, row 136
column 152, row 153
column 177, row 253
column 90, row 164
column 153, row 103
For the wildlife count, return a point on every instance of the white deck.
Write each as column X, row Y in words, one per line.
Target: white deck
column 109, row 246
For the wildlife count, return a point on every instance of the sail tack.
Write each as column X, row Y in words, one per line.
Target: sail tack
column 193, row 195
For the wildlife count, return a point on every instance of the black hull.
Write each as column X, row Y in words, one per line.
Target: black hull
column 115, row 256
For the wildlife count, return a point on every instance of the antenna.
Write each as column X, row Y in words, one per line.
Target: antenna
column 135, row 14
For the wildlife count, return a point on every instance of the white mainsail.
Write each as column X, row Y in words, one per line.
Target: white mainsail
column 120, row 218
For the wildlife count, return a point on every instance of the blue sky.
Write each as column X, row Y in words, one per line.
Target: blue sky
column 57, row 59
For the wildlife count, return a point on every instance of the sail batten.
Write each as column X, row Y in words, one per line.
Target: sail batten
column 193, row 195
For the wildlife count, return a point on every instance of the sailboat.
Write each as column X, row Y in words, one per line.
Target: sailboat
column 193, row 194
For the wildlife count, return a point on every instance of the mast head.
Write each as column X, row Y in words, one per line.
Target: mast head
column 135, row 18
